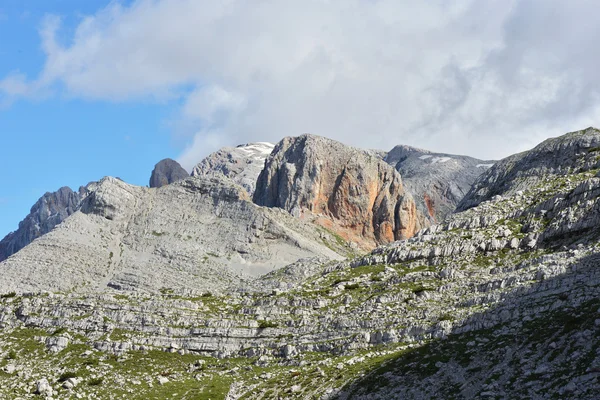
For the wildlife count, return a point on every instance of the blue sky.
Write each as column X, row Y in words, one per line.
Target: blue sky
column 64, row 141
column 90, row 88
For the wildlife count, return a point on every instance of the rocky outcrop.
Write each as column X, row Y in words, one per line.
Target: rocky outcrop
column 194, row 235
column 242, row 164
column 571, row 153
column 437, row 182
column 347, row 190
column 166, row 172
column 50, row 210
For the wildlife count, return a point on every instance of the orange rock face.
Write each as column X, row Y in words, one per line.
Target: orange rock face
column 347, row 190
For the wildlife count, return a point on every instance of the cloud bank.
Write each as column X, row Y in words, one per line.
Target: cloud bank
column 480, row 78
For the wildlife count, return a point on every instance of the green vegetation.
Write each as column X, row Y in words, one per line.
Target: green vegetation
column 96, row 381
column 59, row 331
column 262, row 324
column 67, row 375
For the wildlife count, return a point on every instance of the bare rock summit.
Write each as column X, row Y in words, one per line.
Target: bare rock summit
column 437, row 181
column 242, row 164
column 349, row 191
column 50, row 210
column 166, row 172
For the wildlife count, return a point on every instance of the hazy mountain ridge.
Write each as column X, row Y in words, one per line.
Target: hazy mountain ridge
column 50, row 210
column 437, row 181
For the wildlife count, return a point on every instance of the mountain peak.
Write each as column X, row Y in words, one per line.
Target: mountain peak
column 166, row 172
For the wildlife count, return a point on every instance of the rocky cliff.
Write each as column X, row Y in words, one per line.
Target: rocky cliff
column 50, row 210
column 437, row 182
column 166, row 172
column 349, row 191
column 242, row 164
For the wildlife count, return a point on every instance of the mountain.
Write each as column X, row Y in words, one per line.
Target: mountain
column 437, row 181
column 53, row 208
column 347, row 190
column 501, row 300
column 199, row 234
column 166, row 172
column 554, row 158
column 242, row 164
column 50, row 210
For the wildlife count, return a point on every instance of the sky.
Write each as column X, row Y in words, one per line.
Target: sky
column 94, row 88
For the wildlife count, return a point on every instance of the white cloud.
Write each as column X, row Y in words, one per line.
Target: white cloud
column 482, row 78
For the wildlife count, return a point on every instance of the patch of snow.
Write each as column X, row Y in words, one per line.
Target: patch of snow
column 260, row 148
column 425, row 157
column 440, row 159
column 484, row 165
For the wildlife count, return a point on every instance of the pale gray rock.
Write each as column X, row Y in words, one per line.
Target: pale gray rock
column 242, row 164
column 49, row 211
column 43, row 387
column 166, row 172
column 437, row 181
column 553, row 158
column 199, row 234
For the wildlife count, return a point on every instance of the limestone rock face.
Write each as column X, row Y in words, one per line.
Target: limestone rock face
column 199, row 234
column 571, row 153
column 50, row 210
column 350, row 191
column 437, row 182
column 242, row 164
column 166, row 172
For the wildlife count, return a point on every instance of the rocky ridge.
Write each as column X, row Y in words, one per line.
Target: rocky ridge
column 349, row 191
column 557, row 157
column 241, row 164
column 49, row 211
column 437, row 182
column 132, row 238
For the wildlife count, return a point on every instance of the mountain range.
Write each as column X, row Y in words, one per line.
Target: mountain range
column 312, row 269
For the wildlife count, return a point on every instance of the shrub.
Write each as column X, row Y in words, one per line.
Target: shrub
column 59, row 331
column 96, row 381
column 446, row 317
column 266, row 324
column 67, row 375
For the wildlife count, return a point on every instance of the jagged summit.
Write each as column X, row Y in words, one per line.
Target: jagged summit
column 348, row 190
column 242, row 164
column 573, row 152
column 166, row 172
column 50, row 210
